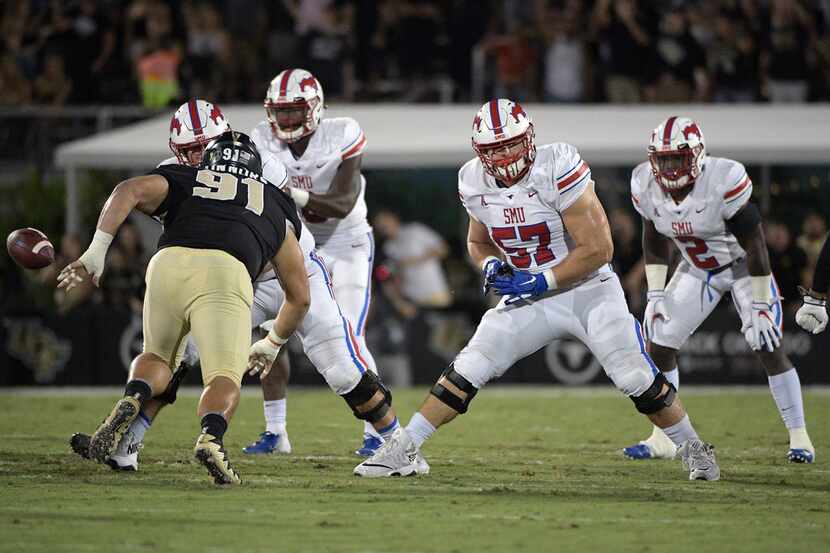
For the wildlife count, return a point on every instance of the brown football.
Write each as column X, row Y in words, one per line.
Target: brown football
column 30, row 248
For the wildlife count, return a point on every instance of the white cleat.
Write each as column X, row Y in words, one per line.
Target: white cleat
column 126, row 456
column 656, row 446
column 398, row 456
column 699, row 458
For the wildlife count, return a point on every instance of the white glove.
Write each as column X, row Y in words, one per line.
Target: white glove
column 92, row 261
column 263, row 352
column 763, row 332
column 655, row 309
column 812, row 315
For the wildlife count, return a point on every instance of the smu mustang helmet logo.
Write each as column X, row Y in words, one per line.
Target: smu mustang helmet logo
column 176, row 124
column 477, row 123
column 517, row 111
column 308, row 81
column 216, row 114
column 691, row 129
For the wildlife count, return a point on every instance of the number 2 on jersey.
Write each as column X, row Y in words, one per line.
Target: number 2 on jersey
column 223, row 186
column 698, row 248
column 519, row 256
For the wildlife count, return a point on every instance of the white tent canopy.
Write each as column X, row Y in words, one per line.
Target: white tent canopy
column 417, row 136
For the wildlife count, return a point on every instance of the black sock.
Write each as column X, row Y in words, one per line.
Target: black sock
column 139, row 390
column 215, row 425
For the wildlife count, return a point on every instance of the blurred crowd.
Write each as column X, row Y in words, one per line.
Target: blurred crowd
column 155, row 53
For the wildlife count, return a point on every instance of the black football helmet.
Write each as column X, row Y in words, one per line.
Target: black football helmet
column 233, row 148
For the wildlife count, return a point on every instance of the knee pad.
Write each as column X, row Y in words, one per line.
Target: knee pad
column 365, row 390
column 168, row 396
column 450, row 399
column 653, row 399
column 630, row 372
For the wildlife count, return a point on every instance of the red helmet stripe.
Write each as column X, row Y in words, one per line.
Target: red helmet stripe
column 284, row 82
column 667, row 130
column 494, row 115
column 194, row 116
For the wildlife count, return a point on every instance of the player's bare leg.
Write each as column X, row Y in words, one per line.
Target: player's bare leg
column 274, row 391
column 785, row 387
column 658, row 445
column 149, row 376
column 216, row 408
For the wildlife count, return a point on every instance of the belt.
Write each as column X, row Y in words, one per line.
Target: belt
column 729, row 265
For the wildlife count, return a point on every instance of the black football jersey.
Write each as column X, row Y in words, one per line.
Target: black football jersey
column 226, row 209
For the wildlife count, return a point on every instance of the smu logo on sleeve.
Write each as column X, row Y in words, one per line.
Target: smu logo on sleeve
column 514, row 215
column 682, row 228
column 301, row 181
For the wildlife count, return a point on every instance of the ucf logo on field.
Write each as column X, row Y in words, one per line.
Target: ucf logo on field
column 37, row 347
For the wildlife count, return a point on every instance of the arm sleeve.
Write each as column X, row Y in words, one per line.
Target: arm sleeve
column 571, row 176
column 737, row 191
column 354, row 141
column 821, row 278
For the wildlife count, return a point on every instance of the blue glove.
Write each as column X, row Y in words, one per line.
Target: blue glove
column 490, row 270
column 521, row 285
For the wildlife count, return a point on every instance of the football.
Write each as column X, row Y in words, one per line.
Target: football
column 30, row 248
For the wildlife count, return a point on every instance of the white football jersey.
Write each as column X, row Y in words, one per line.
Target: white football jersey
column 697, row 225
column 275, row 173
column 335, row 140
column 525, row 220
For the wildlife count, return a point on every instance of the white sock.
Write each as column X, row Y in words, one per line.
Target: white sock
column 673, row 377
column 419, row 429
column 681, row 431
column 274, row 415
column 386, row 432
column 369, row 429
column 786, row 391
column 139, row 426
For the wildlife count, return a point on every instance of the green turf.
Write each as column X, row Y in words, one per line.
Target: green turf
column 524, row 470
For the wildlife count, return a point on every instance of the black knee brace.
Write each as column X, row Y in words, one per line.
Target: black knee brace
column 449, row 398
column 651, row 400
column 365, row 390
column 168, row 396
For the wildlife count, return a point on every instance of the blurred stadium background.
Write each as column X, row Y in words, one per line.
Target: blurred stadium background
column 88, row 87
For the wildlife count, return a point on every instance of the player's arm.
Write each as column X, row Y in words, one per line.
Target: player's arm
column 290, row 268
column 587, row 225
column 812, row 315
column 745, row 225
column 144, row 193
column 341, row 197
column 479, row 245
column 657, row 255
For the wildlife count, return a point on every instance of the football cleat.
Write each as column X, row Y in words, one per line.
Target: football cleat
column 269, row 442
column 656, row 446
column 106, row 439
column 370, row 446
column 398, row 456
column 212, row 455
column 800, row 456
column 79, row 442
column 699, row 458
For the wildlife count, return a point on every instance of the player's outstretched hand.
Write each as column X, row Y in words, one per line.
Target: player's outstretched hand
column 655, row 309
column 72, row 275
column 812, row 315
column 261, row 356
column 763, row 333
column 520, row 285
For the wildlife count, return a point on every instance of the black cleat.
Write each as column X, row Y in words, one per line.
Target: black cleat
column 79, row 442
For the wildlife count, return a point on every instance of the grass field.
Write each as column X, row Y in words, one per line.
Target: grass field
column 524, row 470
